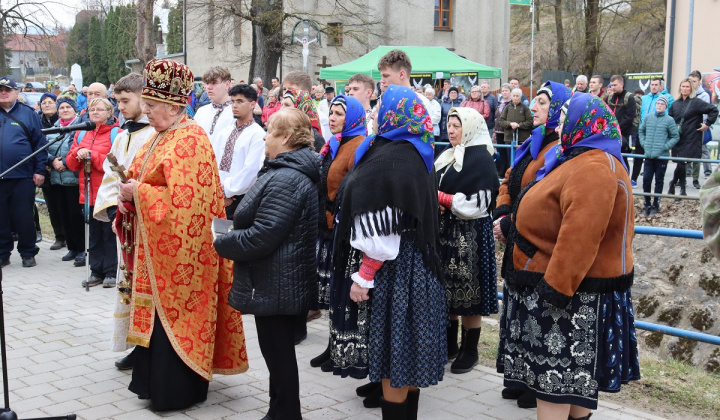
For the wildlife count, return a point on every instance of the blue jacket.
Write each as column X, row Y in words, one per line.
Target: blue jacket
column 658, row 134
column 81, row 102
column 648, row 103
column 15, row 144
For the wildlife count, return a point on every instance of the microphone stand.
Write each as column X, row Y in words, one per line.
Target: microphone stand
column 6, row 413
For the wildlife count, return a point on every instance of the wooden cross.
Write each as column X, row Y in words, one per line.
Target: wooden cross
column 116, row 167
column 324, row 64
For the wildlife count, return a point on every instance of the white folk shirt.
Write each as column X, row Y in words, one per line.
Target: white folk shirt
column 204, row 118
column 247, row 159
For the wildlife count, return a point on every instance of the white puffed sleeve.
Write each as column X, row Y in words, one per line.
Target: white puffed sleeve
column 375, row 246
column 468, row 208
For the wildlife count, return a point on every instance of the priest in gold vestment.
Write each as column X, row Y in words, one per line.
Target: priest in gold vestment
column 181, row 321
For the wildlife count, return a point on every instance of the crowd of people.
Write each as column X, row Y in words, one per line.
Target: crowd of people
column 342, row 202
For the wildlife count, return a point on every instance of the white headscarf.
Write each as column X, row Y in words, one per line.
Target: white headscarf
column 474, row 133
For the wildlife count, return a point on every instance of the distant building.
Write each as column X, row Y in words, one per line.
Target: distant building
column 35, row 54
column 476, row 30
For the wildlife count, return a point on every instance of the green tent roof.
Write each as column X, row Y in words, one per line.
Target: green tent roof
column 424, row 60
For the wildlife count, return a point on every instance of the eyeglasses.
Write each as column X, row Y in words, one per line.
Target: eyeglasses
column 99, row 110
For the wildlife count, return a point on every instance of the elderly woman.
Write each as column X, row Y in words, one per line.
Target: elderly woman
column 687, row 111
column 529, row 158
column 568, row 290
column 434, row 109
column 271, row 107
column 498, row 132
column 387, row 219
column 64, row 192
column 295, row 98
column 476, row 102
column 452, row 100
column 347, row 123
column 516, row 119
column 94, row 145
column 467, row 187
column 48, row 117
column 273, row 246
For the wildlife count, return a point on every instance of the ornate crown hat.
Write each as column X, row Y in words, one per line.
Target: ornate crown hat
column 167, row 81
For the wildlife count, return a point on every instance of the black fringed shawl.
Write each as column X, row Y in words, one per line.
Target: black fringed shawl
column 478, row 174
column 391, row 174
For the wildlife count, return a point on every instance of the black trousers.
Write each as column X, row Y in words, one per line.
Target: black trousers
column 162, row 377
column 17, row 198
column 53, row 204
column 654, row 168
column 103, row 247
column 637, row 162
column 277, row 344
column 68, row 197
column 679, row 174
column 625, row 148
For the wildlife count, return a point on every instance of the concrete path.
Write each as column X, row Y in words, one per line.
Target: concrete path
column 59, row 362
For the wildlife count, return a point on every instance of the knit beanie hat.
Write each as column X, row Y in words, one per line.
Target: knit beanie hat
column 48, row 95
column 663, row 99
column 67, row 100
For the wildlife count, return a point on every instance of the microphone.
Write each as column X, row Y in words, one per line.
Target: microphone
column 86, row 126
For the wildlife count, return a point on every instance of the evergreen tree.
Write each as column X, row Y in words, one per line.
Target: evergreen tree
column 95, row 51
column 77, row 48
column 174, row 39
column 115, row 67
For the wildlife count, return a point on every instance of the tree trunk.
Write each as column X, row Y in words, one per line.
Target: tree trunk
column 145, row 41
column 592, row 41
column 267, row 38
column 562, row 57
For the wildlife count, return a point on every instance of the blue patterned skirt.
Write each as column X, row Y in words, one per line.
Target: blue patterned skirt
column 324, row 261
column 567, row 355
column 407, row 322
column 467, row 252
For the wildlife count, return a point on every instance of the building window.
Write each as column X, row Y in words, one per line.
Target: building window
column 443, row 14
column 237, row 30
column 211, row 26
column 335, row 33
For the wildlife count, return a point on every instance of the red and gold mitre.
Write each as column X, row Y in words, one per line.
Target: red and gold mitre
column 167, row 81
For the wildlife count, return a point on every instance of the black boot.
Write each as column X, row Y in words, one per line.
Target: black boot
column 373, row 400
column 452, row 343
column 413, row 398
column 319, row 360
column 468, row 357
column 367, row 389
column 671, row 188
column 511, row 393
column 394, row 411
column 580, row 418
column 527, row 400
column 682, row 190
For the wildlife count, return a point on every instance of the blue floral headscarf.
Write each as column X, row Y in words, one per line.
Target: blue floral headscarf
column 558, row 94
column 588, row 123
column 354, row 122
column 402, row 116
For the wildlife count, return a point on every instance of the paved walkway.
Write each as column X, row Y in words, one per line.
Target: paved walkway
column 57, row 335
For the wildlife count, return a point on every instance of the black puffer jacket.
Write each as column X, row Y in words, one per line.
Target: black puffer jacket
column 690, row 144
column 273, row 244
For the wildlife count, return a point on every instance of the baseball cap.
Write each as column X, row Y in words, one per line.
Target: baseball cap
column 8, row 81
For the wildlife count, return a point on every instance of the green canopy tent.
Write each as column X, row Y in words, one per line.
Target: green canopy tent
column 424, row 60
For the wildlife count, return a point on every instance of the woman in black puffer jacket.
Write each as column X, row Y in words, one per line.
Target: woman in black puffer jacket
column 273, row 246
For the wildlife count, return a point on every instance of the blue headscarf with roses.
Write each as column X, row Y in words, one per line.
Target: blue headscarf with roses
column 558, row 94
column 402, row 116
column 588, row 123
column 354, row 124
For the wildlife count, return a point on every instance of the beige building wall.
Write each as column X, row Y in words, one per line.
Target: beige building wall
column 480, row 32
column 704, row 53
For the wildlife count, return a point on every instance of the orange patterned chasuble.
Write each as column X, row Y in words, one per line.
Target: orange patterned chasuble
column 178, row 275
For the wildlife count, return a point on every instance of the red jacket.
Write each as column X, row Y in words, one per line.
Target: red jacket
column 98, row 141
column 482, row 106
column 269, row 110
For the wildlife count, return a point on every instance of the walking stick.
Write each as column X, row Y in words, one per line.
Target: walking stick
column 87, row 169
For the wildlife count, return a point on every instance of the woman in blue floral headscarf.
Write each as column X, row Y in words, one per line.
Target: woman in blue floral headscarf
column 388, row 224
column 529, row 157
column 347, row 123
column 570, row 321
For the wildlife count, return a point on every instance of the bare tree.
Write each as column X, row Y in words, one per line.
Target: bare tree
column 145, row 41
column 17, row 17
column 559, row 29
